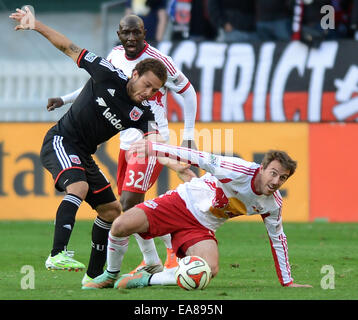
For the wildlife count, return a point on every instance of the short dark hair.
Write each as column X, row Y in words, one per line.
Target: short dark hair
column 282, row 157
column 154, row 65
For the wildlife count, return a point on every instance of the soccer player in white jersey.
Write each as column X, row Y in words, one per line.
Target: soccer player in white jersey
column 134, row 178
column 192, row 213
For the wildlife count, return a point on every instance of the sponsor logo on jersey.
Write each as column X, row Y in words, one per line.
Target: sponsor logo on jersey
column 257, row 208
column 111, row 92
column 135, row 114
column 101, row 102
column 214, row 160
column 90, row 57
column 179, row 79
column 112, row 119
column 75, row 159
column 109, row 115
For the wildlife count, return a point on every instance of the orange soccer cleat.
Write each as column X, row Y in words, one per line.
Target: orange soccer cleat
column 171, row 261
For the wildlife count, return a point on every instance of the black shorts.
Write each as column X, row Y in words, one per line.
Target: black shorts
column 68, row 164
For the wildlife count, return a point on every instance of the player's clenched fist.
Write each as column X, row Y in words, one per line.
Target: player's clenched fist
column 54, row 103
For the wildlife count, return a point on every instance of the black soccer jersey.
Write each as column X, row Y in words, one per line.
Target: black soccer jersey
column 103, row 107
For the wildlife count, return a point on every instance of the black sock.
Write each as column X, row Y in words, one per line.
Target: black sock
column 98, row 256
column 65, row 220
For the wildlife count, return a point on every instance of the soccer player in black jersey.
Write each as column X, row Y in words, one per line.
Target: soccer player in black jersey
column 109, row 103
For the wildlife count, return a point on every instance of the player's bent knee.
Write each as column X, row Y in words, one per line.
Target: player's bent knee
column 79, row 189
column 118, row 228
column 132, row 221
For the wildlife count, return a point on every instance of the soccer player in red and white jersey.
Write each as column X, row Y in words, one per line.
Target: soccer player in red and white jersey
column 134, row 178
column 194, row 210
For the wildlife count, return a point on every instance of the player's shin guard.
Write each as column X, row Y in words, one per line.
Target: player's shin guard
column 65, row 221
column 117, row 247
column 98, row 256
column 148, row 249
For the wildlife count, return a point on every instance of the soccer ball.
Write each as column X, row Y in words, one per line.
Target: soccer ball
column 193, row 273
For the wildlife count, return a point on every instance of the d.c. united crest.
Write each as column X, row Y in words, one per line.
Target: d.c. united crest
column 135, row 114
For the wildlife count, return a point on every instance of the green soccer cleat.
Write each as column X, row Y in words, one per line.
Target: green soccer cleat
column 63, row 261
column 105, row 280
column 139, row 279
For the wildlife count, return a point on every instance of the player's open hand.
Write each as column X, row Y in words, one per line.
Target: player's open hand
column 54, row 103
column 25, row 18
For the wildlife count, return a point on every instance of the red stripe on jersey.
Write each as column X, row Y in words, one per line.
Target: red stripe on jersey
column 122, row 242
column 157, row 55
column 277, row 198
column 277, row 264
column 118, row 48
column 186, row 87
column 80, row 56
column 159, row 153
column 236, row 170
column 161, row 56
column 237, row 167
column 182, row 148
column 252, row 182
column 284, row 245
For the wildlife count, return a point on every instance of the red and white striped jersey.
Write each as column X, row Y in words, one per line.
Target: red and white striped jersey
column 177, row 82
column 226, row 191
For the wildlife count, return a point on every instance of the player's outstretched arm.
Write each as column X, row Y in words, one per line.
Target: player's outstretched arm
column 61, row 42
column 182, row 170
column 53, row 103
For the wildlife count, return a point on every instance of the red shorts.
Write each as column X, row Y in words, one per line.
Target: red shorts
column 136, row 174
column 169, row 214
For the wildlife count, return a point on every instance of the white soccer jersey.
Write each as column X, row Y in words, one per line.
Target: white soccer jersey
column 176, row 82
column 227, row 191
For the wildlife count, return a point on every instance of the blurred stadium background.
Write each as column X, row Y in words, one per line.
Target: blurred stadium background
column 254, row 95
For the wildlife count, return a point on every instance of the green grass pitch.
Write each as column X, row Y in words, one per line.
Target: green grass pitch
column 246, row 266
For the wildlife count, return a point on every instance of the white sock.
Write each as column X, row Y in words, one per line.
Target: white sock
column 167, row 239
column 117, row 247
column 164, row 278
column 150, row 254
